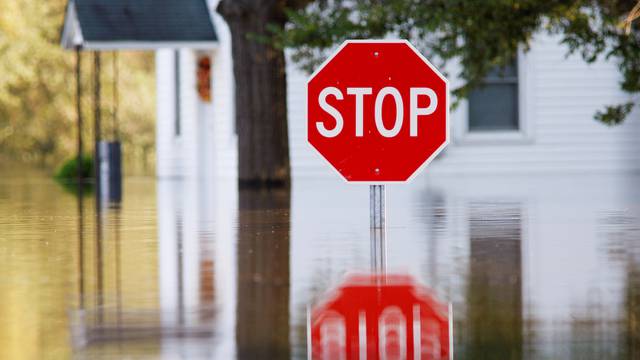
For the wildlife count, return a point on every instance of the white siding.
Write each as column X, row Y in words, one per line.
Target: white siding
column 168, row 159
column 177, row 155
column 560, row 95
column 222, row 131
column 304, row 159
column 206, row 145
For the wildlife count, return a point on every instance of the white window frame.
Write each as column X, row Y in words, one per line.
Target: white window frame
column 524, row 134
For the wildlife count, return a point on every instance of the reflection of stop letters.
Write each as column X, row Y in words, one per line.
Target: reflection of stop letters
column 392, row 338
column 358, row 94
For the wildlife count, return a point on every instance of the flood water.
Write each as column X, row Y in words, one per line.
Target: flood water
column 535, row 267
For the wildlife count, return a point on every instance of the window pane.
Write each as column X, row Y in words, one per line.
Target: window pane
column 494, row 107
column 507, row 71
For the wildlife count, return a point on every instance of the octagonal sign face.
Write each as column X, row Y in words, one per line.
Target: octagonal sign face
column 387, row 316
column 377, row 111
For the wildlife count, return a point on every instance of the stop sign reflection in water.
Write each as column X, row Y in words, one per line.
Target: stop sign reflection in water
column 380, row 317
column 377, row 111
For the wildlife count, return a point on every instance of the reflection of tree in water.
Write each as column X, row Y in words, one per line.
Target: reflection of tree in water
column 262, row 329
column 493, row 326
column 632, row 310
column 437, row 227
column 592, row 331
column 622, row 232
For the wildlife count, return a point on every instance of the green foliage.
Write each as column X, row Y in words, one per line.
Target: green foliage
column 614, row 115
column 71, row 169
column 37, row 89
column 479, row 35
column 67, row 175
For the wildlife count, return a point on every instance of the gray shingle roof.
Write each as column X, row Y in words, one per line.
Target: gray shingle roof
column 144, row 21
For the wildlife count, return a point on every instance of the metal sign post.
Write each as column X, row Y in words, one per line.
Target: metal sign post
column 378, row 228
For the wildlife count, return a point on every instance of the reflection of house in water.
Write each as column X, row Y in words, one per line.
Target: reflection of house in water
column 186, row 247
column 124, row 310
column 115, row 303
column 621, row 231
column 538, row 278
column 186, row 264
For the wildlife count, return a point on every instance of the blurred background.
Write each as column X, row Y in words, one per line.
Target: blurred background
column 39, row 100
column 158, row 197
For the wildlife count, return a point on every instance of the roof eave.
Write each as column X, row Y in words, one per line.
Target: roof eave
column 71, row 36
column 148, row 45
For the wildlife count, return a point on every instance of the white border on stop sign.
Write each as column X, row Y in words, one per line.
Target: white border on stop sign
column 426, row 61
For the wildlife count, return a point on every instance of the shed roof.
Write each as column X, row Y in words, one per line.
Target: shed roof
column 138, row 24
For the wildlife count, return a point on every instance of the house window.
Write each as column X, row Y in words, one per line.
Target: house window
column 493, row 105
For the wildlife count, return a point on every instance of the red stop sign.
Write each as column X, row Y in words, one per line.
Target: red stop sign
column 380, row 317
column 377, row 111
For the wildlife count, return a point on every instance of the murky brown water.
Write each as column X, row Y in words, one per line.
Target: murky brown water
column 541, row 267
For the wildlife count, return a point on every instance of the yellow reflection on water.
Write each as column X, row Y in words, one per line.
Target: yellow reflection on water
column 53, row 264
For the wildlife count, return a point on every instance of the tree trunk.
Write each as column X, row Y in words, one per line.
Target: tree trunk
column 260, row 93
